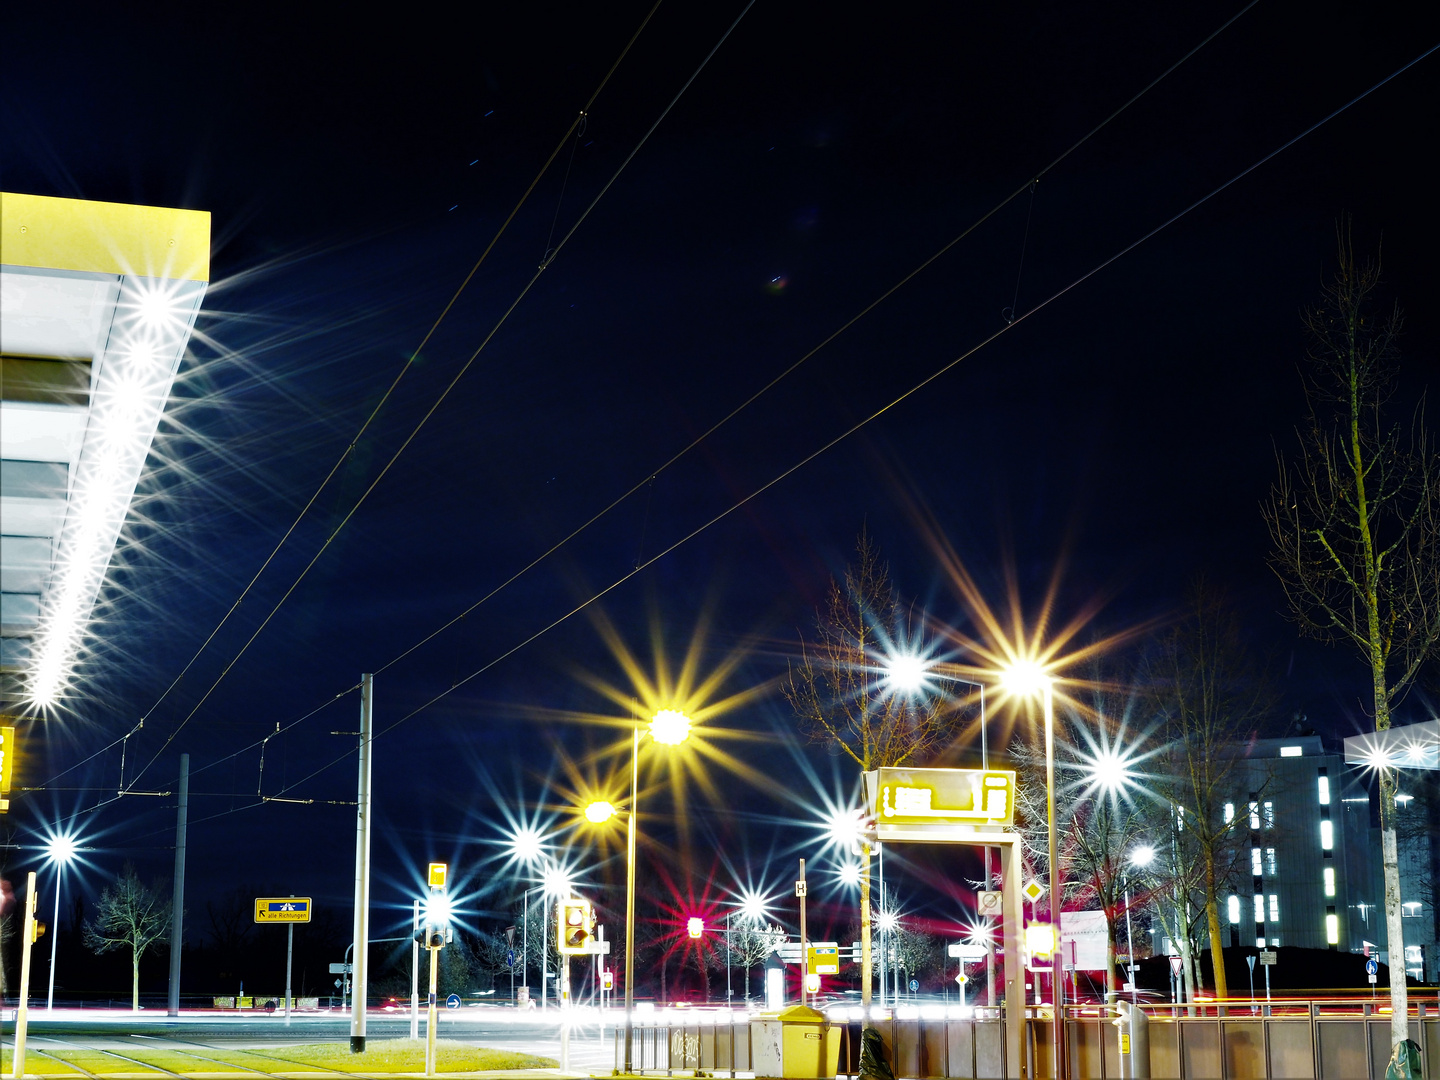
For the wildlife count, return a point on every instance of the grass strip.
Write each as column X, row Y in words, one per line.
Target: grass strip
column 402, row 1055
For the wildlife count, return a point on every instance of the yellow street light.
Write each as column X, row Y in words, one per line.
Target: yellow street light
column 598, row 813
column 1027, row 678
column 670, row 727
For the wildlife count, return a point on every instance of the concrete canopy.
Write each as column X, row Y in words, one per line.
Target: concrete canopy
column 97, row 305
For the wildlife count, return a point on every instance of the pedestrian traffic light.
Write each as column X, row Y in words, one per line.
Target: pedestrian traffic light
column 577, row 926
column 431, row 937
column 695, row 926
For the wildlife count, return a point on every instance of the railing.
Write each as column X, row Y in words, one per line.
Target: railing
column 1323, row 1039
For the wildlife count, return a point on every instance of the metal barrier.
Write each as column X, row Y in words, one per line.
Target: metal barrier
column 1294, row 1040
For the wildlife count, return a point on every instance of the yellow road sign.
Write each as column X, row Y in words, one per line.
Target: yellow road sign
column 282, row 909
column 437, row 875
column 944, row 797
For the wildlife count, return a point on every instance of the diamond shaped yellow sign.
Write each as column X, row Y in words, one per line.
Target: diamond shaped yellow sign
column 1032, row 891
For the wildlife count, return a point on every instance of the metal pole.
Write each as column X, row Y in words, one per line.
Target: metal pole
column 415, row 977
column 1130, row 943
column 729, row 993
column 630, row 904
column 882, row 924
column 54, row 940
column 562, row 991
column 430, row 1015
column 525, row 946
column 804, row 942
column 545, row 956
column 360, row 984
column 22, row 1010
column 289, row 966
column 1057, row 974
column 989, row 879
column 177, row 902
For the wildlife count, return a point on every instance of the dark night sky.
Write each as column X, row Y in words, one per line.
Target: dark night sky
column 355, row 170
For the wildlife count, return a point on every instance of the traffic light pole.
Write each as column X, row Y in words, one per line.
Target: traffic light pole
column 430, row 1016
column 22, row 1010
column 565, row 1014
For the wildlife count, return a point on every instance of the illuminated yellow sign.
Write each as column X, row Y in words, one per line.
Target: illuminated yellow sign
column 7, row 758
column 823, row 960
column 437, row 875
column 282, row 909
column 946, row 797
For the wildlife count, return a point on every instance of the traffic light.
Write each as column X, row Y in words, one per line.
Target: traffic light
column 695, row 926
column 577, row 926
column 37, row 930
column 431, row 937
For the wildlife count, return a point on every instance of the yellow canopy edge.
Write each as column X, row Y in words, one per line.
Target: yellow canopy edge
column 107, row 238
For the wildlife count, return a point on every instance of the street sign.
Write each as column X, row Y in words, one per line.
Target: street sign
column 964, row 950
column 1040, row 940
column 342, row 969
column 453, row 1001
column 595, row 948
column 944, row 797
column 812, row 984
column 824, row 960
column 914, row 985
column 282, row 909
column 437, row 875
column 800, row 887
column 607, row 980
column 1032, row 891
column 338, row 984
column 1267, row 958
column 989, row 903
column 1176, row 964
column 962, row 978
column 1372, row 968
column 1250, row 963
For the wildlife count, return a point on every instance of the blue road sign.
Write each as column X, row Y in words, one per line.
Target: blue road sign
column 510, row 958
column 914, row 985
column 453, row 1001
column 1371, row 966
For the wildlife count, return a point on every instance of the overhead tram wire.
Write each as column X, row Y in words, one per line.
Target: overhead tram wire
column 1029, row 185
column 650, row 476
column 1098, row 268
column 350, row 448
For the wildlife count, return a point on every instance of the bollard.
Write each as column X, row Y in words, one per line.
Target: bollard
column 1134, row 1027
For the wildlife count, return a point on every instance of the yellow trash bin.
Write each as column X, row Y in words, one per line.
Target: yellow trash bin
column 797, row 1043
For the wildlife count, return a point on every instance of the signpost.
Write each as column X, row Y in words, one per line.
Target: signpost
column 1267, row 961
column 288, row 910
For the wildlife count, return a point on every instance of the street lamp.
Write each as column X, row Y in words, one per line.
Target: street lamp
column 58, row 850
column 1026, row 678
column 669, row 727
column 1142, row 857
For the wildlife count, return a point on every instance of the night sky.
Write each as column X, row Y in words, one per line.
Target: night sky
column 356, row 169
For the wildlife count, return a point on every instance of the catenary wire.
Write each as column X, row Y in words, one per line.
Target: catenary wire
column 787, row 372
column 1077, row 282
column 1027, row 186
column 350, row 448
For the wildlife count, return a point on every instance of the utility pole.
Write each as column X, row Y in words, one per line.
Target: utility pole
column 800, row 891
column 289, row 964
column 177, row 904
column 415, row 977
column 22, row 1010
column 360, row 986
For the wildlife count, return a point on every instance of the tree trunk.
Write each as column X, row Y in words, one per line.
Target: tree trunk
column 135, row 980
column 1212, row 924
column 1394, row 928
column 866, row 975
column 1111, row 982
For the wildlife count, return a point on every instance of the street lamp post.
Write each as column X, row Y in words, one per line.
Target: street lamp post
column 59, row 850
column 1141, row 856
column 669, row 727
column 1024, row 679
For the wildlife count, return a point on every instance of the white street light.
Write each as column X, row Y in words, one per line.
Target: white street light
column 59, row 850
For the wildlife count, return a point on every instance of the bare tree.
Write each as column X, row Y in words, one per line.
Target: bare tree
column 1355, row 526
column 750, row 946
column 130, row 915
column 837, row 692
column 1210, row 696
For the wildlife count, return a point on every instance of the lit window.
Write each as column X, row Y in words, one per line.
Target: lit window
column 1180, row 819
column 1327, row 835
column 1234, row 905
column 1254, row 815
column 1411, row 909
column 1274, row 908
column 1324, row 791
column 1332, row 929
column 1259, row 908
column 1329, row 881
column 1270, row 862
column 1402, row 801
column 1269, row 815
column 1255, row 868
column 1229, row 812
column 1259, row 942
column 1292, row 751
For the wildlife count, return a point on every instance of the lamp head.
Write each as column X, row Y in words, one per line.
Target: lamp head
column 906, row 673
column 1024, row 678
column 1142, row 856
column 60, row 849
column 670, row 727
column 599, row 812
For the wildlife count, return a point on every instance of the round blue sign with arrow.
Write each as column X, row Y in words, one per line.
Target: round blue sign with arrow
column 1371, row 966
column 453, row 1001
column 914, row 985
